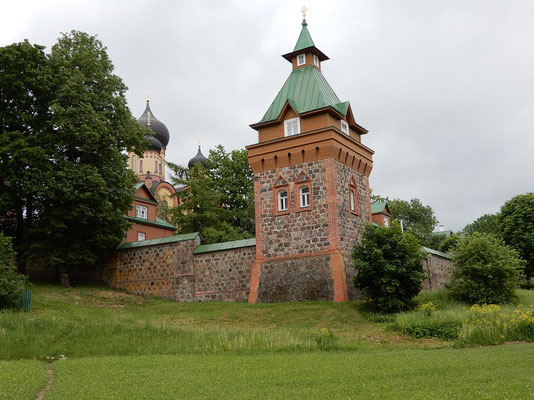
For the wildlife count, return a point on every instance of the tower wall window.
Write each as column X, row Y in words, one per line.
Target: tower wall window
column 316, row 60
column 304, row 194
column 292, row 126
column 282, row 200
column 140, row 166
column 301, row 59
column 133, row 163
column 352, row 201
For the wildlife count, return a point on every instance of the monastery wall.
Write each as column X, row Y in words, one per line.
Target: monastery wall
column 438, row 269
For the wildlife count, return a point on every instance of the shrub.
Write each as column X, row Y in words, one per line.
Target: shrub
column 427, row 322
column 390, row 269
column 11, row 283
column 485, row 270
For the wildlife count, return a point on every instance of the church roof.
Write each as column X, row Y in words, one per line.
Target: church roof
column 199, row 158
column 150, row 121
column 307, row 90
column 305, row 42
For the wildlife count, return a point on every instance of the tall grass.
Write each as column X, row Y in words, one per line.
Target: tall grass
column 440, row 316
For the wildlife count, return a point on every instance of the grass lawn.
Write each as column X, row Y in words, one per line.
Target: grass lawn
column 123, row 346
column 504, row 372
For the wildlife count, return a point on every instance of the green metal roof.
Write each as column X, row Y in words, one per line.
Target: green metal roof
column 378, row 207
column 306, row 89
column 437, row 253
column 207, row 248
column 305, row 39
column 160, row 223
column 163, row 240
column 446, row 233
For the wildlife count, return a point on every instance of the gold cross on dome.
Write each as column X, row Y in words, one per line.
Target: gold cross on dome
column 147, row 92
column 303, row 11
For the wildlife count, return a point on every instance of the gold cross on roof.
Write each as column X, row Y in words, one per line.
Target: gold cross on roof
column 147, row 92
column 303, row 11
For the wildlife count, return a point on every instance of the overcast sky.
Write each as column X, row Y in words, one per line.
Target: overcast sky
column 445, row 88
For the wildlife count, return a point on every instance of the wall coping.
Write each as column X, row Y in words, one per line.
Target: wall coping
column 162, row 240
column 437, row 253
column 236, row 244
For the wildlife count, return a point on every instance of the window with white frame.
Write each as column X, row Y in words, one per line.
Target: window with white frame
column 133, row 163
column 282, row 200
column 386, row 221
column 292, row 126
column 301, row 59
column 304, row 196
column 316, row 60
column 344, row 127
column 352, row 200
column 141, row 212
column 140, row 236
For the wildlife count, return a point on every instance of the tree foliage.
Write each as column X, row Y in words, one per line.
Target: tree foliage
column 389, row 265
column 487, row 224
column 217, row 201
column 485, row 270
column 517, row 227
column 11, row 283
column 68, row 207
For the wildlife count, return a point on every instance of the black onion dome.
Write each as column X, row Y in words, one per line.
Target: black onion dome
column 160, row 130
column 154, row 144
column 199, row 158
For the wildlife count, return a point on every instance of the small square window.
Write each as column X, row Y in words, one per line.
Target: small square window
column 301, row 59
column 141, row 212
column 316, row 60
column 292, row 126
column 344, row 127
column 140, row 236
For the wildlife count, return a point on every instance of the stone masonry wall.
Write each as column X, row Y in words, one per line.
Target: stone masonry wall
column 164, row 270
column 224, row 275
column 350, row 224
column 307, row 278
column 438, row 270
column 172, row 271
column 297, row 231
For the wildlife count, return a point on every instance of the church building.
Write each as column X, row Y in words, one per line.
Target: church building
column 311, row 186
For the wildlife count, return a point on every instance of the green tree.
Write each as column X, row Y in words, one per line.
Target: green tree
column 11, row 283
column 390, row 267
column 199, row 208
column 488, row 223
column 517, row 227
column 449, row 243
column 417, row 218
column 485, row 270
column 72, row 154
column 232, row 179
column 26, row 91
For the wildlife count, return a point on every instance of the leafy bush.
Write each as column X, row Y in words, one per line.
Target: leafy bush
column 390, row 269
column 485, row 270
column 11, row 283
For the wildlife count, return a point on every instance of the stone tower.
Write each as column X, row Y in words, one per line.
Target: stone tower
column 311, row 187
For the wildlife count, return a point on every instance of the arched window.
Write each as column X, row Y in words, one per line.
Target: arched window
column 133, row 163
column 140, row 166
column 160, row 169
column 304, row 193
column 156, row 167
column 282, row 200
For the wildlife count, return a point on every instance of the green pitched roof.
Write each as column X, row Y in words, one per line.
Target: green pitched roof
column 236, row 244
column 160, row 223
column 378, row 207
column 437, row 253
column 305, row 39
column 163, row 240
column 306, row 89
